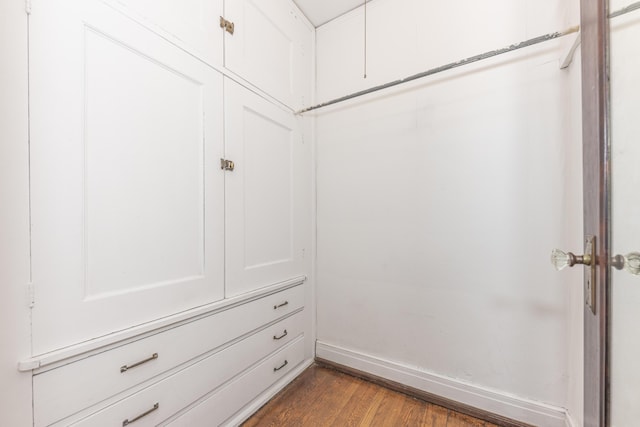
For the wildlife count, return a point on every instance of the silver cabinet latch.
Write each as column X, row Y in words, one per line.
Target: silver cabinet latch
column 227, row 165
column 228, row 26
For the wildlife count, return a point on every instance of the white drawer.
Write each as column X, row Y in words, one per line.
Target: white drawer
column 64, row 391
column 179, row 390
column 222, row 405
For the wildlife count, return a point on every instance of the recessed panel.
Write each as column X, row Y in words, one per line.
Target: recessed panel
column 171, row 15
column 192, row 24
column 267, row 44
column 267, row 191
column 143, row 141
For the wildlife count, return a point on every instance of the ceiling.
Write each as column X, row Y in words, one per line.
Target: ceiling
column 322, row 11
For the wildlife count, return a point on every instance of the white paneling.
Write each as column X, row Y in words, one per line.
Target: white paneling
column 271, row 47
column 193, row 24
column 144, row 177
column 439, row 202
column 15, row 389
column 127, row 197
column 268, row 149
column 264, row 193
column 625, row 131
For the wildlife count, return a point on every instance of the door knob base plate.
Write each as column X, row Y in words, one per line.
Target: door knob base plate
column 590, row 273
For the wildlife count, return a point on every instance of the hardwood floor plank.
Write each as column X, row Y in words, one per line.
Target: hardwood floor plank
column 322, row 397
column 412, row 412
column 436, row 416
column 372, row 408
column 356, row 408
column 390, row 409
column 288, row 402
column 460, row 420
column 326, row 409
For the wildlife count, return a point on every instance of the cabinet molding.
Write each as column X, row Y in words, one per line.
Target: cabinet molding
column 88, row 348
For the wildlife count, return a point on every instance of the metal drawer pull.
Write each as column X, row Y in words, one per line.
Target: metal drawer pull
column 125, row 368
column 281, row 336
column 133, row 420
column 275, row 307
column 281, row 366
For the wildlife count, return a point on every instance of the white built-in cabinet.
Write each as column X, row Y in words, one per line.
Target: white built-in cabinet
column 164, row 285
column 270, row 47
column 264, row 195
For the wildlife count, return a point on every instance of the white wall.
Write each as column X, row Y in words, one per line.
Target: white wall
column 439, row 203
column 15, row 387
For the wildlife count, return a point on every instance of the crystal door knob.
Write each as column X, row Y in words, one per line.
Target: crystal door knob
column 629, row 262
column 561, row 259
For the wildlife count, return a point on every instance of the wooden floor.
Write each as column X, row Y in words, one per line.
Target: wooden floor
column 324, row 397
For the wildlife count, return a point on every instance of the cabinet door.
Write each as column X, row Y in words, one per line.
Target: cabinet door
column 271, row 47
column 192, row 24
column 126, row 190
column 264, row 209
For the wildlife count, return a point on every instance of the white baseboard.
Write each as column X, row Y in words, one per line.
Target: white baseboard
column 515, row 408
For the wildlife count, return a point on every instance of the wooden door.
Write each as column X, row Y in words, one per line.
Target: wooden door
column 264, row 193
column 271, row 47
column 625, row 225
column 596, row 188
column 126, row 191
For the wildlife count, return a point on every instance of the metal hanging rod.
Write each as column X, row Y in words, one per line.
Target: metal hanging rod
column 446, row 67
column 467, row 61
column 625, row 10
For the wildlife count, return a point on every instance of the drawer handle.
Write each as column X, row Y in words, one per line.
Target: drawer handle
column 125, row 368
column 275, row 307
column 281, row 336
column 133, row 420
column 281, row 366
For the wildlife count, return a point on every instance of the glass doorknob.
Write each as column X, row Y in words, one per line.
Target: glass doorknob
column 629, row 262
column 561, row 259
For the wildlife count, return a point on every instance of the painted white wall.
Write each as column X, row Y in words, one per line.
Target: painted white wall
column 15, row 387
column 439, row 202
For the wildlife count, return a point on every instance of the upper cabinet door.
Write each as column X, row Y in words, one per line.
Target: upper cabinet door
column 126, row 189
column 265, row 193
column 192, row 24
column 271, row 47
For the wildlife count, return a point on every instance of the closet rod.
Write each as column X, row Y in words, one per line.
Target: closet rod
column 467, row 61
column 625, row 10
column 447, row 67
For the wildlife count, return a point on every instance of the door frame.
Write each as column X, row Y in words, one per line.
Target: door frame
column 597, row 209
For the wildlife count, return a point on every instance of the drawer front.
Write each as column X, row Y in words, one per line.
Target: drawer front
column 177, row 391
column 221, row 406
column 64, row 391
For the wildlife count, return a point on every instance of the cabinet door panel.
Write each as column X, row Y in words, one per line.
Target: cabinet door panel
column 127, row 202
column 192, row 24
column 263, row 193
column 271, row 47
